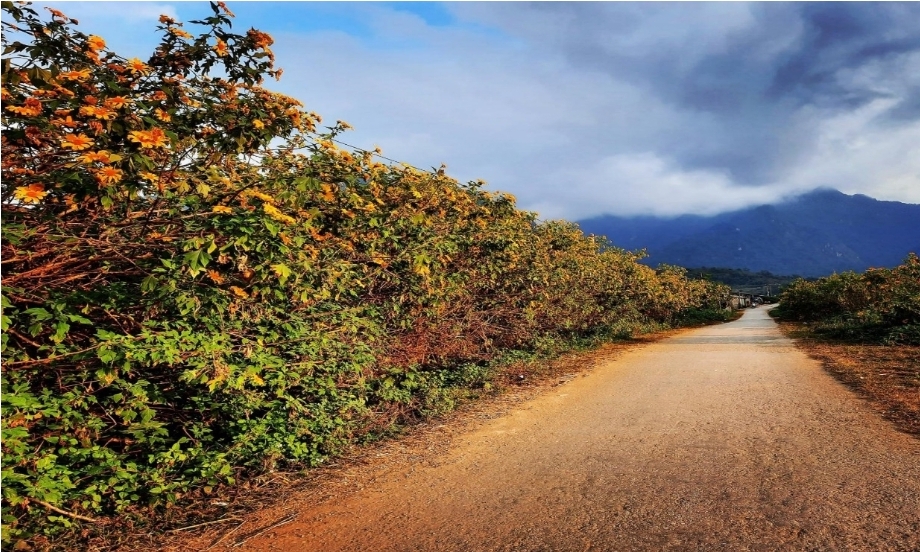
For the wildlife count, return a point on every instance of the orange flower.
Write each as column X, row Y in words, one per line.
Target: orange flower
column 33, row 193
column 77, row 142
column 138, row 67
column 95, row 43
column 95, row 126
column 100, row 112
column 166, row 20
column 56, row 13
column 67, row 122
column 109, row 175
column 153, row 138
column 222, row 209
column 95, row 157
column 64, row 92
column 262, row 40
column 239, row 292
column 224, row 7
column 221, row 48
column 75, row 75
column 162, row 115
column 159, row 95
column 179, row 32
column 215, row 277
column 149, row 176
column 116, row 102
column 30, row 108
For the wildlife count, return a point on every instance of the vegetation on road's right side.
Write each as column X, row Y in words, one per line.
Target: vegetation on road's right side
column 880, row 305
column 865, row 329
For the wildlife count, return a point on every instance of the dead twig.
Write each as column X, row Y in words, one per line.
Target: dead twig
column 225, row 535
column 221, row 520
column 283, row 521
column 63, row 512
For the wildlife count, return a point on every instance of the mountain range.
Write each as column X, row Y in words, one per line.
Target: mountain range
column 815, row 234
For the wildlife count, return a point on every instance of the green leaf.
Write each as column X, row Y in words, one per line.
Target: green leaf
column 282, row 271
column 149, row 283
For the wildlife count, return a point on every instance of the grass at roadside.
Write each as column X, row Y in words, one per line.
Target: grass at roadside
column 888, row 376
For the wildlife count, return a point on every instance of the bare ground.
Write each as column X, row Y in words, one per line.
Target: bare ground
column 721, row 438
column 888, row 376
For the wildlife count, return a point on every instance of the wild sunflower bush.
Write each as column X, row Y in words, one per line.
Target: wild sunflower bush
column 198, row 284
column 880, row 304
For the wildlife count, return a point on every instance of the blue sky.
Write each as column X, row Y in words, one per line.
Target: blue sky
column 581, row 109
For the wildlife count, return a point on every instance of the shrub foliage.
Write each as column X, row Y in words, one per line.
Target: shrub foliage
column 878, row 305
column 198, row 283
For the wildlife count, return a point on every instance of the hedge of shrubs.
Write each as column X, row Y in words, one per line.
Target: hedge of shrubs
column 880, row 305
column 198, row 284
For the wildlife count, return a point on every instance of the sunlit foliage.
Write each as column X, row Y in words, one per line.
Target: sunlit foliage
column 199, row 284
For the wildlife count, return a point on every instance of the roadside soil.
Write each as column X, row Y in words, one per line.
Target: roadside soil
column 888, row 376
column 721, row 438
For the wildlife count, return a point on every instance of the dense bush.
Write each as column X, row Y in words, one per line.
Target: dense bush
column 198, row 283
column 878, row 305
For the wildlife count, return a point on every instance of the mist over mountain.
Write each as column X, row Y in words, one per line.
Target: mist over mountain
column 815, row 234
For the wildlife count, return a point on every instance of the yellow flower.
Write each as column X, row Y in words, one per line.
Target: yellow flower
column 138, row 67
column 162, row 115
column 95, row 157
column 77, row 142
column 109, row 175
column 98, row 112
column 345, row 125
column 75, row 75
column 149, row 176
column 33, row 193
column 222, row 209
column 153, row 138
column 221, row 48
column 274, row 213
column 116, row 102
column 258, row 124
column 328, row 193
column 239, row 292
column 180, row 33
column 30, row 108
column 95, row 43
column 263, row 196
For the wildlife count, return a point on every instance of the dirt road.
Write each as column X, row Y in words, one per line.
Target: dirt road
column 721, row 438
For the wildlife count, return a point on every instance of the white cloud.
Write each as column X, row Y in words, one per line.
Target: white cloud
column 585, row 109
column 644, row 183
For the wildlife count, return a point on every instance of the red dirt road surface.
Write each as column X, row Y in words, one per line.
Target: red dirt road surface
column 721, row 438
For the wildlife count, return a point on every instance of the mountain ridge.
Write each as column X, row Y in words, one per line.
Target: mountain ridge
column 814, row 234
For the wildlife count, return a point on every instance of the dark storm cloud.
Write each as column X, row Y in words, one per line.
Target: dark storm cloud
column 844, row 35
column 752, row 67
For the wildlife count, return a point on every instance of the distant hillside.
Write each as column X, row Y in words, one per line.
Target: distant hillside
column 741, row 279
column 813, row 235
